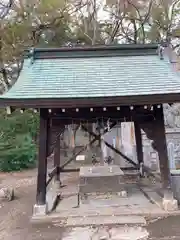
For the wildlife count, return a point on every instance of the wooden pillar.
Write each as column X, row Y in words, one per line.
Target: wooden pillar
column 57, row 157
column 42, row 159
column 155, row 131
column 139, row 145
column 161, row 147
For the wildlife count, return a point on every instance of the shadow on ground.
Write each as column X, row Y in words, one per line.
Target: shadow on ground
column 166, row 228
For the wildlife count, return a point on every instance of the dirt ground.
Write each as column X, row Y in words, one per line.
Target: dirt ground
column 15, row 215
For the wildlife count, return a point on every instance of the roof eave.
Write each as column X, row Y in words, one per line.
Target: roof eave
column 91, row 102
column 95, row 51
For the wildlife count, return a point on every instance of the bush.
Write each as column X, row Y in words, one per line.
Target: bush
column 18, row 148
column 17, row 154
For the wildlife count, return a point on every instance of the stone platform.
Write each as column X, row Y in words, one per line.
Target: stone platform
column 101, row 179
column 108, row 209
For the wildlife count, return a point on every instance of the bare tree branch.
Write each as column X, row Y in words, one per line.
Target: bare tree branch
column 4, row 10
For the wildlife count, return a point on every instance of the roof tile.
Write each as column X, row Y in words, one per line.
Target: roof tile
column 94, row 77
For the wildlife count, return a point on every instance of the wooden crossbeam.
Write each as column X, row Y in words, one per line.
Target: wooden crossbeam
column 120, row 153
column 96, row 137
column 110, row 146
column 79, row 152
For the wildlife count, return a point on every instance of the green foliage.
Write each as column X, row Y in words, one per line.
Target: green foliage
column 17, row 153
column 18, row 147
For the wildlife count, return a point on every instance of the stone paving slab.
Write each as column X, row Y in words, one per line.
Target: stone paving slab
column 62, row 218
column 153, row 196
column 135, row 198
column 107, row 233
column 106, row 221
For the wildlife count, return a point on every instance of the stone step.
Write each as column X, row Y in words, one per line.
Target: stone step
column 106, row 233
column 103, row 221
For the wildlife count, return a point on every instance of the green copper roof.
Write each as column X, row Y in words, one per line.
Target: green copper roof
column 60, row 74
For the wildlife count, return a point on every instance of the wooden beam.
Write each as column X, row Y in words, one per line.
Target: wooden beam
column 120, row 153
column 70, row 170
column 87, row 114
column 139, row 146
column 42, row 163
column 161, row 147
column 49, row 180
column 96, row 137
column 91, row 101
column 110, row 146
column 57, row 158
column 79, row 152
column 52, row 173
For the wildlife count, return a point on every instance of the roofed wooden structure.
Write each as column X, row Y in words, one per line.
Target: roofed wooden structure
column 116, row 83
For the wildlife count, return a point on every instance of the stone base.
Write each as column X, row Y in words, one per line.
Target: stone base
column 123, row 194
column 39, row 210
column 57, row 185
column 170, row 204
column 101, row 179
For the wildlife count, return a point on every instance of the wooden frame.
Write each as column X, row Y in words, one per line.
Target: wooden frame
column 60, row 119
column 90, row 102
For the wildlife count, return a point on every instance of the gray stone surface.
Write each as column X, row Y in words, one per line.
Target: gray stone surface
column 151, row 158
column 108, row 205
column 107, row 233
column 106, row 221
column 175, row 183
column 51, row 198
column 85, row 233
column 101, row 171
column 39, row 210
column 101, row 179
column 129, row 233
column 170, row 205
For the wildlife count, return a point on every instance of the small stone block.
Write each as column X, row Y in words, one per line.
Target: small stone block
column 6, row 194
column 122, row 194
column 40, row 210
column 57, row 185
column 170, row 205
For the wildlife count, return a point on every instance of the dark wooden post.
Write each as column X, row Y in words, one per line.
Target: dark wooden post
column 139, row 146
column 161, row 147
column 57, row 157
column 155, row 131
column 42, row 163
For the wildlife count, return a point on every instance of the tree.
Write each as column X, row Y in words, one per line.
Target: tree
column 4, row 10
column 18, row 133
column 145, row 21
